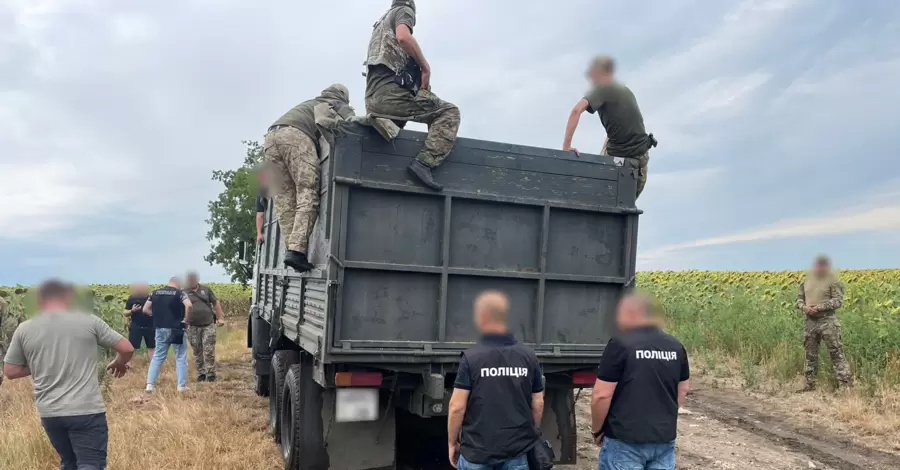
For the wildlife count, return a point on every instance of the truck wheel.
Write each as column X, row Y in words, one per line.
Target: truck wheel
column 281, row 362
column 302, row 436
column 262, row 385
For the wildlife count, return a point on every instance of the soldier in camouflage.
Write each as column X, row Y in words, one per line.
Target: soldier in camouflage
column 9, row 321
column 398, row 87
column 821, row 294
column 293, row 151
column 206, row 315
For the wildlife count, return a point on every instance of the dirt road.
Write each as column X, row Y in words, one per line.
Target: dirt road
column 727, row 429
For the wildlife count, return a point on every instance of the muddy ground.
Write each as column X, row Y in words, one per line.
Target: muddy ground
column 728, row 429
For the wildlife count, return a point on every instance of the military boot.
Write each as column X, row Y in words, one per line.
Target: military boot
column 298, row 261
column 211, row 378
column 423, row 173
column 201, row 378
column 385, row 127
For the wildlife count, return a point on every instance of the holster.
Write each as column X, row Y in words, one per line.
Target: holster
column 410, row 77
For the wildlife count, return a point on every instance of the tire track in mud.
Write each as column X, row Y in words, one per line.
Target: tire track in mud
column 738, row 410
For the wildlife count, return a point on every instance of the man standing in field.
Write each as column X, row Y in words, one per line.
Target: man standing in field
column 821, row 294
column 620, row 115
column 58, row 349
column 205, row 316
column 398, row 87
column 171, row 311
column 140, row 328
column 642, row 380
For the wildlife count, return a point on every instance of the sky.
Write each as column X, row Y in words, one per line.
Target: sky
column 776, row 118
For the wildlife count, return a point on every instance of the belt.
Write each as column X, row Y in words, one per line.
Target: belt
column 279, row 126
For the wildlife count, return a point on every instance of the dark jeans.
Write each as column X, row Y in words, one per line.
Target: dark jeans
column 80, row 440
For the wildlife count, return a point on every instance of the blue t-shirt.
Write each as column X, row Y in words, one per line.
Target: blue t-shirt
column 167, row 306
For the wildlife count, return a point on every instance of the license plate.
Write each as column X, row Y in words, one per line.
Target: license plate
column 356, row 404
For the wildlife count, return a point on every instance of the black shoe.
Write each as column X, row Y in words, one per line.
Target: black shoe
column 210, row 378
column 423, row 173
column 201, row 378
column 298, row 261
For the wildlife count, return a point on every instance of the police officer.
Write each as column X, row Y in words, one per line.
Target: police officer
column 641, row 382
column 171, row 311
column 498, row 397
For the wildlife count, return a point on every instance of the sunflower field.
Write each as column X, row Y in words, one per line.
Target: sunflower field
column 750, row 318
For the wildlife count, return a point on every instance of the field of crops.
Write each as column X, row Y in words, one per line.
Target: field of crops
column 746, row 318
column 750, row 318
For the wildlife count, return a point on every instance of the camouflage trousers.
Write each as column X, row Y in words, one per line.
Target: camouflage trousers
column 391, row 101
column 203, row 343
column 636, row 163
column 295, row 160
column 828, row 330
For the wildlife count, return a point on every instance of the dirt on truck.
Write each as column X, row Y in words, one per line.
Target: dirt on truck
column 358, row 356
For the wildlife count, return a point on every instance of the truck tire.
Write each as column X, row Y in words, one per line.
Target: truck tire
column 261, row 387
column 302, row 436
column 281, row 362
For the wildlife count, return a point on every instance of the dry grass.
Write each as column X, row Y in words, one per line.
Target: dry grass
column 869, row 417
column 214, row 426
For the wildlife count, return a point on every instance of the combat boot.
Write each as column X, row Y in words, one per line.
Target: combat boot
column 211, row 378
column 298, row 261
column 201, row 378
column 423, row 173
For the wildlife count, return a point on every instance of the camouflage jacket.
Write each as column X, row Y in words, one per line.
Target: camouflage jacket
column 824, row 296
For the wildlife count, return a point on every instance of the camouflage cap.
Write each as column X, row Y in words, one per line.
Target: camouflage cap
column 404, row 3
column 337, row 92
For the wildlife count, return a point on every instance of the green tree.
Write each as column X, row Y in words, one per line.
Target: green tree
column 232, row 216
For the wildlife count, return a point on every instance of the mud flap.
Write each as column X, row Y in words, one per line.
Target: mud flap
column 558, row 424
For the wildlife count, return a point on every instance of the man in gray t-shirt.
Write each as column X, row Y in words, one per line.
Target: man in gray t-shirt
column 58, row 349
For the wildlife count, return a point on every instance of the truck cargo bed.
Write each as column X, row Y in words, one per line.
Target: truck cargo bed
column 398, row 265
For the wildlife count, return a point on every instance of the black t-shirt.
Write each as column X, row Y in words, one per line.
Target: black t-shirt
column 167, row 306
column 500, row 374
column 261, row 200
column 647, row 364
column 139, row 319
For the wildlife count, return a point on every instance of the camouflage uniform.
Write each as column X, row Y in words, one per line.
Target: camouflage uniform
column 9, row 321
column 203, row 343
column 291, row 151
column 639, row 163
column 390, row 100
column 825, row 295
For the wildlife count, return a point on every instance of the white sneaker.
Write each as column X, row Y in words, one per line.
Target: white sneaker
column 149, row 388
column 182, row 389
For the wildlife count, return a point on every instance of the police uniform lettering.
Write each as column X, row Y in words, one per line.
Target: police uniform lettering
column 167, row 305
column 659, row 355
column 647, row 364
column 501, row 376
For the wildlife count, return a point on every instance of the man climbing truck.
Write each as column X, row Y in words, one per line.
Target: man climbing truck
column 358, row 356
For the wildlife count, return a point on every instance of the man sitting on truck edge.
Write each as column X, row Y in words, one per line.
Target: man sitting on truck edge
column 620, row 115
column 498, row 396
column 642, row 380
column 398, row 87
column 292, row 152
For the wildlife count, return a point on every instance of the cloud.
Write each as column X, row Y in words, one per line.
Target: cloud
column 851, row 221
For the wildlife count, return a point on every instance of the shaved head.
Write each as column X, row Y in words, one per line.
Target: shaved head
column 491, row 311
column 635, row 311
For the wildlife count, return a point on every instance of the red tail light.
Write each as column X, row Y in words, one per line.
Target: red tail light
column 357, row 379
column 584, row 378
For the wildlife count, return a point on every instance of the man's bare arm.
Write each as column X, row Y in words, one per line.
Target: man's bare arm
column 13, row 372
column 572, row 124
column 537, row 407
column 188, row 309
column 458, row 402
column 148, row 308
column 409, row 45
column 683, row 388
column 259, row 224
column 600, row 401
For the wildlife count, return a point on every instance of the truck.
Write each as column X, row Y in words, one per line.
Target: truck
column 358, row 356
